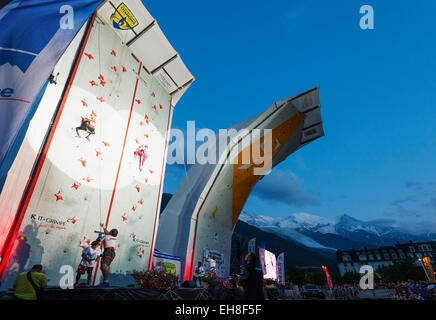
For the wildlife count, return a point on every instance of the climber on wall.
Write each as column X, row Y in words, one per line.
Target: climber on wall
column 87, row 125
column 109, row 239
column 141, row 152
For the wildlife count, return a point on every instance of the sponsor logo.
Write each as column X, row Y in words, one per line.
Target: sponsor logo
column 123, row 18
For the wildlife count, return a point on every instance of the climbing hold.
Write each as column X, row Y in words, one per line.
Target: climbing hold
column 93, row 83
column 113, row 53
column 90, row 57
column 100, row 99
column 84, row 104
column 76, row 185
column 58, row 196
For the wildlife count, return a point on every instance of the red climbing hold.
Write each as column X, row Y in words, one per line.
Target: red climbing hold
column 114, row 53
column 146, row 135
column 58, row 196
column 124, row 218
column 90, row 57
column 146, row 180
column 138, row 101
column 102, row 82
column 151, row 171
column 83, row 162
column 141, row 123
column 114, row 68
column 134, row 208
column 124, row 69
column 153, row 94
column 138, row 188
column 76, row 185
column 93, row 83
column 87, row 179
column 106, row 144
column 141, row 201
column 84, row 103
column 100, row 99
column 100, row 77
column 97, row 153
column 160, row 106
column 154, row 107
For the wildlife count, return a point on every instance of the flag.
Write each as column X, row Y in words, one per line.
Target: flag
column 252, row 245
column 281, row 268
column 429, row 268
column 327, row 275
column 33, row 36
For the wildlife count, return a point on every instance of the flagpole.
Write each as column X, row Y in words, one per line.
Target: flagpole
column 425, row 270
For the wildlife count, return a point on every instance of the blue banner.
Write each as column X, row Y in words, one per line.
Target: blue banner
column 33, row 36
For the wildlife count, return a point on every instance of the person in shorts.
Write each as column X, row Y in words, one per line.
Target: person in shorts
column 109, row 240
column 87, row 125
column 87, row 264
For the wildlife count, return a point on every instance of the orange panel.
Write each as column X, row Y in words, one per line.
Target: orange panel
column 244, row 178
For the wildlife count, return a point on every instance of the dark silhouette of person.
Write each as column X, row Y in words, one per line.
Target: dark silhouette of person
column 251, row 278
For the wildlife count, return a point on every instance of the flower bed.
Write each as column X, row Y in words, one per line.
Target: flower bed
column 156, row 280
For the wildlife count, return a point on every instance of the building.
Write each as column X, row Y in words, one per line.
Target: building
column 352, row 260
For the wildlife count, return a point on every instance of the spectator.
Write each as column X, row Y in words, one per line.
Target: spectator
column 251, row 278
column 30, row 285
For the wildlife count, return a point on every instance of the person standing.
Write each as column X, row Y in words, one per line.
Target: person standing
column 212, row 264
column 251, row 278
column 89, row 256
column 198, row 273
column 109, row 240
column 30, row 285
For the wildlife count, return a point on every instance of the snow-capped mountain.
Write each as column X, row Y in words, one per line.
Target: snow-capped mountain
column 343, row 232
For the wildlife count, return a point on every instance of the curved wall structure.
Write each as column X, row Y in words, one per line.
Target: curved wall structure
column 203, row 212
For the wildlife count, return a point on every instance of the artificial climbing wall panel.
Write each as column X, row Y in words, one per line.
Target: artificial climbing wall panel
column 83, row 183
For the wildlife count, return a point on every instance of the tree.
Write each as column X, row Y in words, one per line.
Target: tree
column 401, row 270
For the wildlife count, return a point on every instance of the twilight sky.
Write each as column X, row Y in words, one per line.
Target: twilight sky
column 378, row 94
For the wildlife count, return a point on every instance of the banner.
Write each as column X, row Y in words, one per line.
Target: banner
column 252, row 245
column 208, row 256
column 327, row 275
column 33, row 36
column 166, row 262
column 429, row 268
column 281, row 268
column 268, row 264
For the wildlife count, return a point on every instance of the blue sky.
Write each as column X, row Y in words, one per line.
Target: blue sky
column 378, row 95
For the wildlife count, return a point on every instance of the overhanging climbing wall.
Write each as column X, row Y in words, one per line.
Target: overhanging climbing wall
column 205, row 208
column 103, row 177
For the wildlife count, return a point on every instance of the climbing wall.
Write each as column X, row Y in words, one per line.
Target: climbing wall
column 84, row 182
